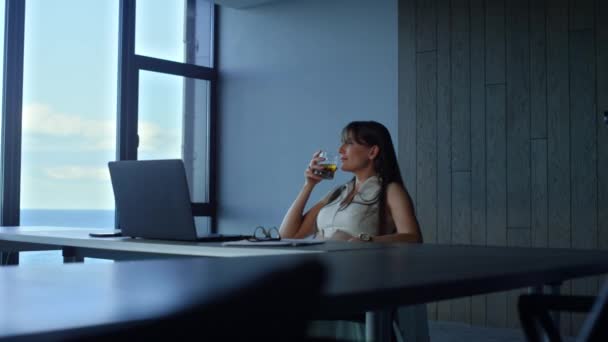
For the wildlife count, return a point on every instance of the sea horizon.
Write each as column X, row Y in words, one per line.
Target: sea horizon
column 84, row 218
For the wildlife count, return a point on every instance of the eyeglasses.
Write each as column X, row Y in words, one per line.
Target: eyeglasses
column 265, row 234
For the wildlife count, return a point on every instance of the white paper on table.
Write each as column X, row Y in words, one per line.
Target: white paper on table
column 282, row 242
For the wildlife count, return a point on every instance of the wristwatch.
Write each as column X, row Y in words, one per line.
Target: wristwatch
column 365, row 237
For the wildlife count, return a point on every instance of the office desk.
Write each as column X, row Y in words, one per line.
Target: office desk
column 372, row 280
column 77, row 244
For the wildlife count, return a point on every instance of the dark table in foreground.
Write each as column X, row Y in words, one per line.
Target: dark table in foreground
column 373, row 280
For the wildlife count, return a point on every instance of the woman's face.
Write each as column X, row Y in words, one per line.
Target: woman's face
column 354, row 156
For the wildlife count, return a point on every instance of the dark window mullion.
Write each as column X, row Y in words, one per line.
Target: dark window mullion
column 174, row 68
column 188, row 128
column 12, row 111
column 213, row 115
column 128, row 76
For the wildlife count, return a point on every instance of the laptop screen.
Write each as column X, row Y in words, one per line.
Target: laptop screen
column 152, row 199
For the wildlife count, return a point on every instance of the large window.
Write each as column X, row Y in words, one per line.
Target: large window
column 1, row 57
column 69, row 112
column 103, row 80
column 163, row 31
column 1, row 61
column 159, row 29
column 171, row 122
column 173, row 106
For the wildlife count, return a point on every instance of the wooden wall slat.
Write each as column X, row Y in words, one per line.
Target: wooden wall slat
column 426, row 98
column 495, row 41
column 558, row 104
column 496, row 188
column 538, row 68
column 581, row 14
column 558, row 132
column 461, row 232
column 584, row 153
column 461, row 86
column 600, row 14
column 426, row 27
column 478, row 144
column 518, row 114
column 444, row 117
column 539, row 193
column 602, row 128
column 407, row 94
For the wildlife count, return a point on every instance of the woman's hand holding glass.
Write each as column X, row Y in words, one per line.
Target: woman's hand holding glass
column 322, row 166
column 311, row 177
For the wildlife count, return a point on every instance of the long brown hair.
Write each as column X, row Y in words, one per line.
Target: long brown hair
column 372, row 133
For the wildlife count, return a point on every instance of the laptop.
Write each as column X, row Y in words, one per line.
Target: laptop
column 153, row 201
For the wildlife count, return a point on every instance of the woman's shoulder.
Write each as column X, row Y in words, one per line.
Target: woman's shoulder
column 396, row 192
column 395, row 186
column 395, row 189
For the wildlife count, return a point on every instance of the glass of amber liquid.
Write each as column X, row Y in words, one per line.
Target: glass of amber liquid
column 330, row 165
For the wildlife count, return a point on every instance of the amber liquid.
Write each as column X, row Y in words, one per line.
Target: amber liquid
column 328, row 171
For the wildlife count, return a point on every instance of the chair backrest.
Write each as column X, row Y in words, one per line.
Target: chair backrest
column 595, row 326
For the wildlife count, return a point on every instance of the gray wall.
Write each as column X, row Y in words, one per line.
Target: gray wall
column 292, row 74
column 501, row 133
column 494, row 106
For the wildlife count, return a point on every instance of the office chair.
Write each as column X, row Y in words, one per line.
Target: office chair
column 537, row 323
column 259, row 310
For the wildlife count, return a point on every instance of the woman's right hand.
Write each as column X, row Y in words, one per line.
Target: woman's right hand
column 309, row 176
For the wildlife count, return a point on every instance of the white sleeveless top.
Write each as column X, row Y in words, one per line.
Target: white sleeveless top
column 360, row 216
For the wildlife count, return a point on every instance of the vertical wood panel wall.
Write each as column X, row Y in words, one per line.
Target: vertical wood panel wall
column 501, row 131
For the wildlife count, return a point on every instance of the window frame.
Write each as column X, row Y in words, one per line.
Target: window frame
column 10, row 184
column 129, row 66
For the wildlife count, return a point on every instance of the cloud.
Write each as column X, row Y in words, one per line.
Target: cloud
column 46, row 129
column 154, row 139
column 41, row 119
column 75, row 172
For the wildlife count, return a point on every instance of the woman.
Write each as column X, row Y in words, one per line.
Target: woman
column 373, row 206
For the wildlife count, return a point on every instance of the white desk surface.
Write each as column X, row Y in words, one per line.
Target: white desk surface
column 79, row 237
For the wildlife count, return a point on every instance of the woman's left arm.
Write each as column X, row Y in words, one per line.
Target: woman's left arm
column 401, row 209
